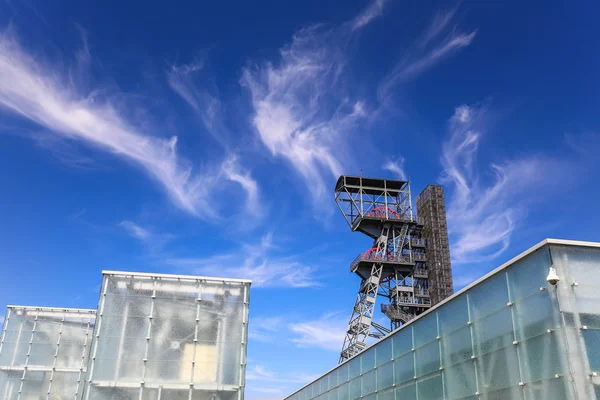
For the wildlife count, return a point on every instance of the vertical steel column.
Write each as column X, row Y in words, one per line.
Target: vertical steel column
column 145, row 360
column 6, row 322
column 194, row 351
column 28, row 353
column 62, row 324
column 96, row 336
column 473, row 357
column 515, row 341
column 245, row 313
column 83, row 352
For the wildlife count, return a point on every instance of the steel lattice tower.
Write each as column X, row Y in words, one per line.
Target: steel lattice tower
column 394, row 267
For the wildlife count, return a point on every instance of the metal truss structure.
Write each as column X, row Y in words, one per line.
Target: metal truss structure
column 394, row 267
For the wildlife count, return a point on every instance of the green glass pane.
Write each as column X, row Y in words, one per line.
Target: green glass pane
column 407, row 392
column 404, row 369
column 456, row 346
column 542, row 357
column 534, row 315
column 343, row 373
column 332, row 395
column 383, row 351
column 581, row 263
column 493, row 332
column 459, row 380
column 385, row 376
column 333, row 379
column 427, row 358
column 453, row 315
column 369, row 382
column 591, row 338
column 588, row 303
column 527, row 275
column 489, row 296
column 343, row 391
column 372, row 396
column 498, row 369
column 425, row 329
column 430, row 387
column 354, row 392
column 509, row 393
column 552, row 389
column 354, row 367
column 387, row 394
column 402, row 341
column 367, row 360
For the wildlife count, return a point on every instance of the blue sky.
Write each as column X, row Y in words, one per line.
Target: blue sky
column 206, row 139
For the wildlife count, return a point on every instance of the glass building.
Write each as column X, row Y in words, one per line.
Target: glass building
column 169, row 337
column 152, row 337
column 44, row 352
column 509, row 335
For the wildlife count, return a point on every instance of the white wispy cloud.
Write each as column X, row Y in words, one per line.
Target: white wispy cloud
column 373, row 10
column 439, row 41
column 183, row 79
column 254, row 261
column 265, row 384
column 396, row 167
column 483, row 213
column 153, row 240
column 264, row 329
column 135, row 230
column 36, row 92
column 326, row 332
column 301, row 110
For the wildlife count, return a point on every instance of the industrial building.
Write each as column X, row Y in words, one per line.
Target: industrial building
column 528, row 330
column 408, row 263
column 431, row 209
column 153, row 336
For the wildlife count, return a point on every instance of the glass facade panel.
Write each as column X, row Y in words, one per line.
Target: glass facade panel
column 459, row 380
column 427, row 358
column 385, row 376
column 383, row 351
column 44, row 352
column 404, row 368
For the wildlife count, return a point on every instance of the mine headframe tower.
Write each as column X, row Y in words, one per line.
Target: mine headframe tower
column 394, row 267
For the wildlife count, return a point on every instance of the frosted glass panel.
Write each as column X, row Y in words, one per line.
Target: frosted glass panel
column 489, row 296
column 403, row 342
column 385, row 376
column 355, row 391
column 541, row 357
column 383, row 351
column 427, row 358
column 493, row 332
column 369, row 382
column 407, row 392
column 430, row 387
column 528, row 275
column 456, row 346
column 425, row 330
column 459, row 380
column 354, row 368
column 498, row 369
column 404, row 369
column 367, row 360
column 453, row 315
column 534, row 315
column 182, row 337
column 591, row 338
column 45, row 350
